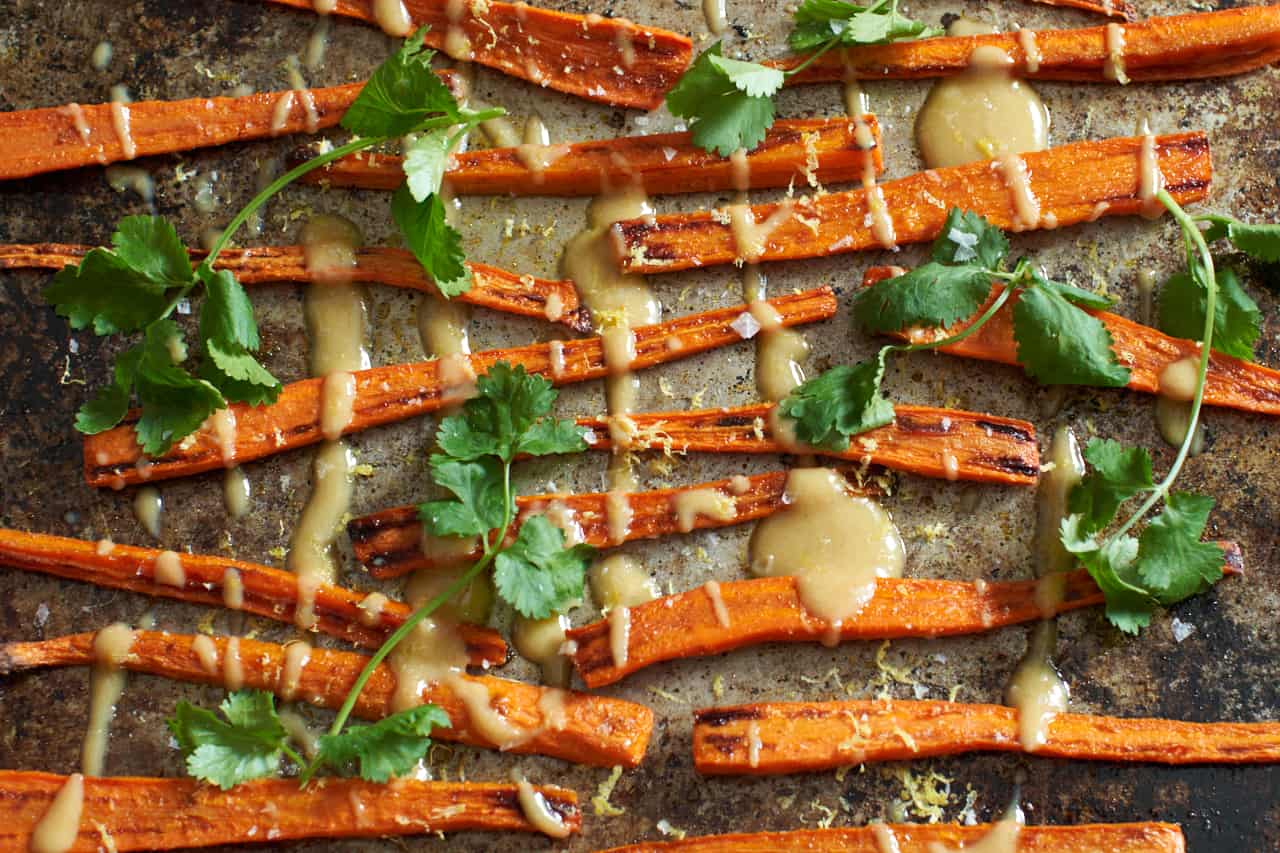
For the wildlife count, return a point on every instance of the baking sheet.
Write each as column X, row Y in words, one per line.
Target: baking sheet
column 1224, row 669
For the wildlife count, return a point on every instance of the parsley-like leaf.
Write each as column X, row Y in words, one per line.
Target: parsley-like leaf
column 537, row 574
column 230, row 335
column 1128, row 604
column 426, row 159
column 477, row 488
column 247, row 744
column 727, row 101
column 174, row 403
column 1237, row 321
column 1172, row 560
column 1061, row 344
column 390, row 747
column 817, row 22
column 1118, row 473
column 968, row 238
column 839, row 403
column 432, row 240
column 930, row 295
column 1260, row 241
column 109, row 406
column 1071, row 293
column 150, row 245
column 400, row 94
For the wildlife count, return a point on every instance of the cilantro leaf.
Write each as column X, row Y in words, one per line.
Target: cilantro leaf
column 968, row 238
column 1071, row 293
column 432, row 240
column 1260, row 241
column 1061, row 344
column 478, row 488
column 1118, row 474
column 1237, row 321
column 390, row 747
column 507, row 417
column 150, row 246
column 230, row 333
column 426, row 159
column 248, row 744
column 106, row 294
column 1128, row 604
column 401, row 93
column 109, row 406
column 818, row 22
column 537, row 574
column 932, row 295
column 1172, row 560
column 841, row 402
column 174, row 403
column 727, row 101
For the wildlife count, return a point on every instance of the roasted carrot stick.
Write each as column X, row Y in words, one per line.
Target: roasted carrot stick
column 54, row 138
column 930, row 838
column 794, row 737
column 498, row 289
column 595, row 730
column 1067, row 185
column 1118, row 9
column 399, row 391
column 794, row 150
column 1181, row 47
column 141, row 813
column 220, row 581
column 389, row 542
column 947, row 443
column 1232, row 382
column 769, row 610
column 610, row 60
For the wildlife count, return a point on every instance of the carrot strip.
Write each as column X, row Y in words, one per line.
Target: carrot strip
column 498, row 289
column 220, row 581
column 1069, row 184
column 1232, row 382
column 794, row 737
column 596, row 730
column 1179, row 47
column 946, row 443
column 929, row 838
column 145, row 813
column 1118, row 9
column 794, row 150
column 609, row 60
column 769, row 610
column 399, row 391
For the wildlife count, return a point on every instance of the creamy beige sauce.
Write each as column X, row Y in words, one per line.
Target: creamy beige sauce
column 618, row 580
column 1030, row 50
column 536, row 151
column 540, row 640
column 619, row 634
column 886, row 841
column 1150, row 178
column 280, row 112
column 317, row 44
column 1036, row 689
column 111, row 648
column 983, row 113
column 206, row 651
column 232, row 666
column 754, row 744
column 371, row 607
column 337, row 404
column 120, row 123
column 715, row 15
column 223, row 424
column 232, row 589
column 618, row 513
column 563, row 517
column 1003, row 838
column 148, row 508
column 1052, row 560
column 456, row 43
column 708, row 503
column 430, row 654
column 1177, row 388
column 1026, row 207
column 835, row 544
column 310, row 550
column 442, row 327
column 237, row 492
column 302, row 733
column 393, row 17
column 296, row 656
column 534, row 806
column 1113, row 69
column 169, row 571
column 712, row 589
column 57, row 830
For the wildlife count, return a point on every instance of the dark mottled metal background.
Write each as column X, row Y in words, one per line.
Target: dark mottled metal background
column 1225, row 669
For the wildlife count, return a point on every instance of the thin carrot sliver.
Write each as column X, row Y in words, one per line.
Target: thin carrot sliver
column 1107, row 8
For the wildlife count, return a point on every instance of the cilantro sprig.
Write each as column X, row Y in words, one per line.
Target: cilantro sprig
column 135, row 286
column 535, row 573
column 729, row 102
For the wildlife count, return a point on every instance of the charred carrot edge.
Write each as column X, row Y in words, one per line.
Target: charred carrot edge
column 260, row 590
column 1072, row 183
column 389, row 543
column 1118, row 9
column 147, row 813
column 946, row 443
column 608, row 60
column 793, row 150
column 596, row 730
column 928, row 838
column 796, row 737
column 1232, row 382
column 1179, row 47
column 399, row 391
column 498, row 289
column 769, row 610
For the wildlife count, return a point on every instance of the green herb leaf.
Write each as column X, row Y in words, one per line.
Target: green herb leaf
column 401, row 93
column 1118, row 473
column 1172, row 560
column 390, row 747
column 1128, row 604
column 727, row 101
column 1079, row 296
column 109, row 406
column 1260, row 241
column 968, row 238
column 839, row 403
column 932, row 295
column 248, row 744
column 818, row 22
column 1061, row 344
column 432, row 240
column 425, row 161
column 150, row 245
column 537, row 574
column 174, row 403
column 230, row 333
column 1237, row 321
column 478, row 488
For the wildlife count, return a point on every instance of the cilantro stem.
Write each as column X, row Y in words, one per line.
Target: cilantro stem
column 1195, row 245
column 835, row 39
column 293, row 755
column 963, row 333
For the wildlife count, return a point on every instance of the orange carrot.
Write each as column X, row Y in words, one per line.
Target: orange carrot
column 794, row 737
column 389, row 543
column 141, row 813
column 610, row 60
column 793, row 151
column 1068, row 184
column 1232, row 382
column 1118, row 9
column 946, row 443
column 1181, row 47
column 498, row 289
column 220, row 581
column 399, row 391
column 769, row 610
column 930, row 838
column 595, row 730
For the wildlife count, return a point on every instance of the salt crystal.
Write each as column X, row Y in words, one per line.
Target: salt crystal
column 746, row 325
column 1181, row 630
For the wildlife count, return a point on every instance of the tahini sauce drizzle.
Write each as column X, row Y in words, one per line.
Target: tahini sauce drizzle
column 707, row 503
column 535, row 808
column 393, row 17
column 835, row 544
column 148, row 508
column 540, row 640
column 857, row 106
column 57, row 830
column 111, row 647
column 620, row 581
column 536, row 152
column 120, row 123
column 1113, row 68
column 1177, row 388
column 715, row 15
column 1150, row 178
